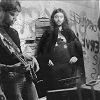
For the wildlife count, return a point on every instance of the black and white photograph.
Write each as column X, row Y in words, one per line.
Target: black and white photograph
column 49, row 50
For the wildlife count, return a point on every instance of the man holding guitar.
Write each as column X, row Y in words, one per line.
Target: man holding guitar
column 17, row 74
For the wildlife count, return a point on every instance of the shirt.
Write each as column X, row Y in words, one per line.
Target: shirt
column 5, row 56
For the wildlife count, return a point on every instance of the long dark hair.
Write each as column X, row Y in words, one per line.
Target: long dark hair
column 10, row 6
column 53, row 33
column 65, row 24
column 49, row 38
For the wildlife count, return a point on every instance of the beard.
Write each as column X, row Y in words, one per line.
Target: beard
column 7, row 21
column 58, row 23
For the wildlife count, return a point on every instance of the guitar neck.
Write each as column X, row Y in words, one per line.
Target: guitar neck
column 20, row 58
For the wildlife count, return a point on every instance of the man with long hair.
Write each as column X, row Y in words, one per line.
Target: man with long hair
column 15, row 84
column 60, row 54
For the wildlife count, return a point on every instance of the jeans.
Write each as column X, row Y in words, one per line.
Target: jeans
column 18, row 88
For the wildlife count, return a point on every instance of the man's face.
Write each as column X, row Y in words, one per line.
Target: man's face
column 1, row 15
column 59, row 18
column 10, row 17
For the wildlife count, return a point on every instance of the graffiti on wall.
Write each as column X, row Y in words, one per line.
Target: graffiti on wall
column 84, row 27
column 84, row 23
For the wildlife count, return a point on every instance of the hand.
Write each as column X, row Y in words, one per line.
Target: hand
column 73, row 60
column 50, row 63
column 34, row 64
column 32, row 60
column 27, row 56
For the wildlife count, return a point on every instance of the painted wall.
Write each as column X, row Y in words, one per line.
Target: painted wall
column 83, row 17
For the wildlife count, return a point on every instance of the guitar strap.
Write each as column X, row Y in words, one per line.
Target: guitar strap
column 7, row 42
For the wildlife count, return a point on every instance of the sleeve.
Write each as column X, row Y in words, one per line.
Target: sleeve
column 42, row 42
column 78, row 47
column 71, row 35
column 76, row 50
column 75, row 45
column 79, row 55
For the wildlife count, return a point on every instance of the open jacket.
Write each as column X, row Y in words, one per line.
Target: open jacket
column 47, row 44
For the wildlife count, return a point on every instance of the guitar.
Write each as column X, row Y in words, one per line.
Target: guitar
column 12, row 47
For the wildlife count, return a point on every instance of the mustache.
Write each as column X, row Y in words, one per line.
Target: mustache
column 58, row 21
